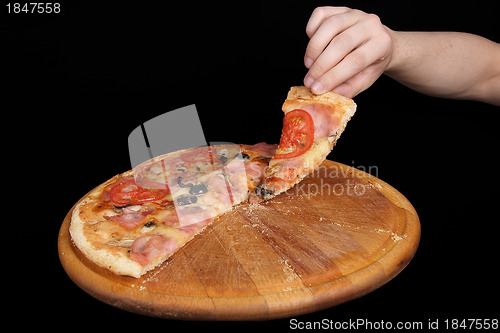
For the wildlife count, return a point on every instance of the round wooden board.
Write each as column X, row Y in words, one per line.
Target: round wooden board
column 335, row 236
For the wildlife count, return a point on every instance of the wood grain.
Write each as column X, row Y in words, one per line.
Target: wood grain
column 336, row 236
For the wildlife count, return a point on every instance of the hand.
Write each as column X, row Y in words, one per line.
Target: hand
column 347, row 51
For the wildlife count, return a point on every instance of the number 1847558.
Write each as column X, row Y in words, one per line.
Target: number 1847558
column 34, row 8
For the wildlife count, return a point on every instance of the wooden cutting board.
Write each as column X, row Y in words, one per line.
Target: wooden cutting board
column 335, row 236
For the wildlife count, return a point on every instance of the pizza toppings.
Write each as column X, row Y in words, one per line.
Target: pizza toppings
column 200, row 155
column 191, row 214
column 147, row 248
column 242, row 156
column 297, row 136
column 131, row 216
column 302, row 126
column 197, row 189
column 207, row 180
column 181, row 185
column 218, row 187
column 126, row 191
column 326, row 121
column 186, row 200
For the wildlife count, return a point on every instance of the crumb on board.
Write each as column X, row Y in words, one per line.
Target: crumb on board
column 395, row 237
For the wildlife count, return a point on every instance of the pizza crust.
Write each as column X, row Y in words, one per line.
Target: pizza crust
column 105, row 256
column 116, row 262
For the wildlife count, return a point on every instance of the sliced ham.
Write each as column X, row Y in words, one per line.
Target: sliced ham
column 325, row 121
column 130, row 217
column 190, row 229
column 147, row 248
column 256, row 169
column 191, row 215
column 218, row 186
column 167, row 217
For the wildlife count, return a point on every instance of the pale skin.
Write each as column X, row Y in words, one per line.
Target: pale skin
column 349, row 50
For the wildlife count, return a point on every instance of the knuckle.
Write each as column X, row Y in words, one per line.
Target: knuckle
column 309, row 31
column 335, row 21
column 318, row 15
column 320, row 12
column 385, row 40
column 373, row 19
column 358, row 12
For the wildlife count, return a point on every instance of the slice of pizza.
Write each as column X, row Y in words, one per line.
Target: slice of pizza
column 135, row 221
column 311, row 127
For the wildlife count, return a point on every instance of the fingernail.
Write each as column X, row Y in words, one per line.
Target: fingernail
column 308, row 62
column 317, row 88
column 308, row 81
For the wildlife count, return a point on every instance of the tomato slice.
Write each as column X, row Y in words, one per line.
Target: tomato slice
column 127, row 192
column 297, row 136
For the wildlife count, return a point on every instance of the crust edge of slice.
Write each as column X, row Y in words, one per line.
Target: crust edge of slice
column 113, row 262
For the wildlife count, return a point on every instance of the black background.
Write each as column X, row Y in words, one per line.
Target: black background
column 77, row 83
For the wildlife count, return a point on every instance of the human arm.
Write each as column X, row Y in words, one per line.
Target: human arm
column 447, row 64
column 349, row 49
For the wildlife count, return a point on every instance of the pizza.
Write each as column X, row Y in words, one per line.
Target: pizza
column 311, row 127
column 136, row 220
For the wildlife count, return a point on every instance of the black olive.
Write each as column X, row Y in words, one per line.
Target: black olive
column 186, row 200
column 198, row 189
column 179, row 182
column 242, row 156
column 262, row 191
column 149, row 224
column 223, row 158
column 118, row 209
column 121, row 207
